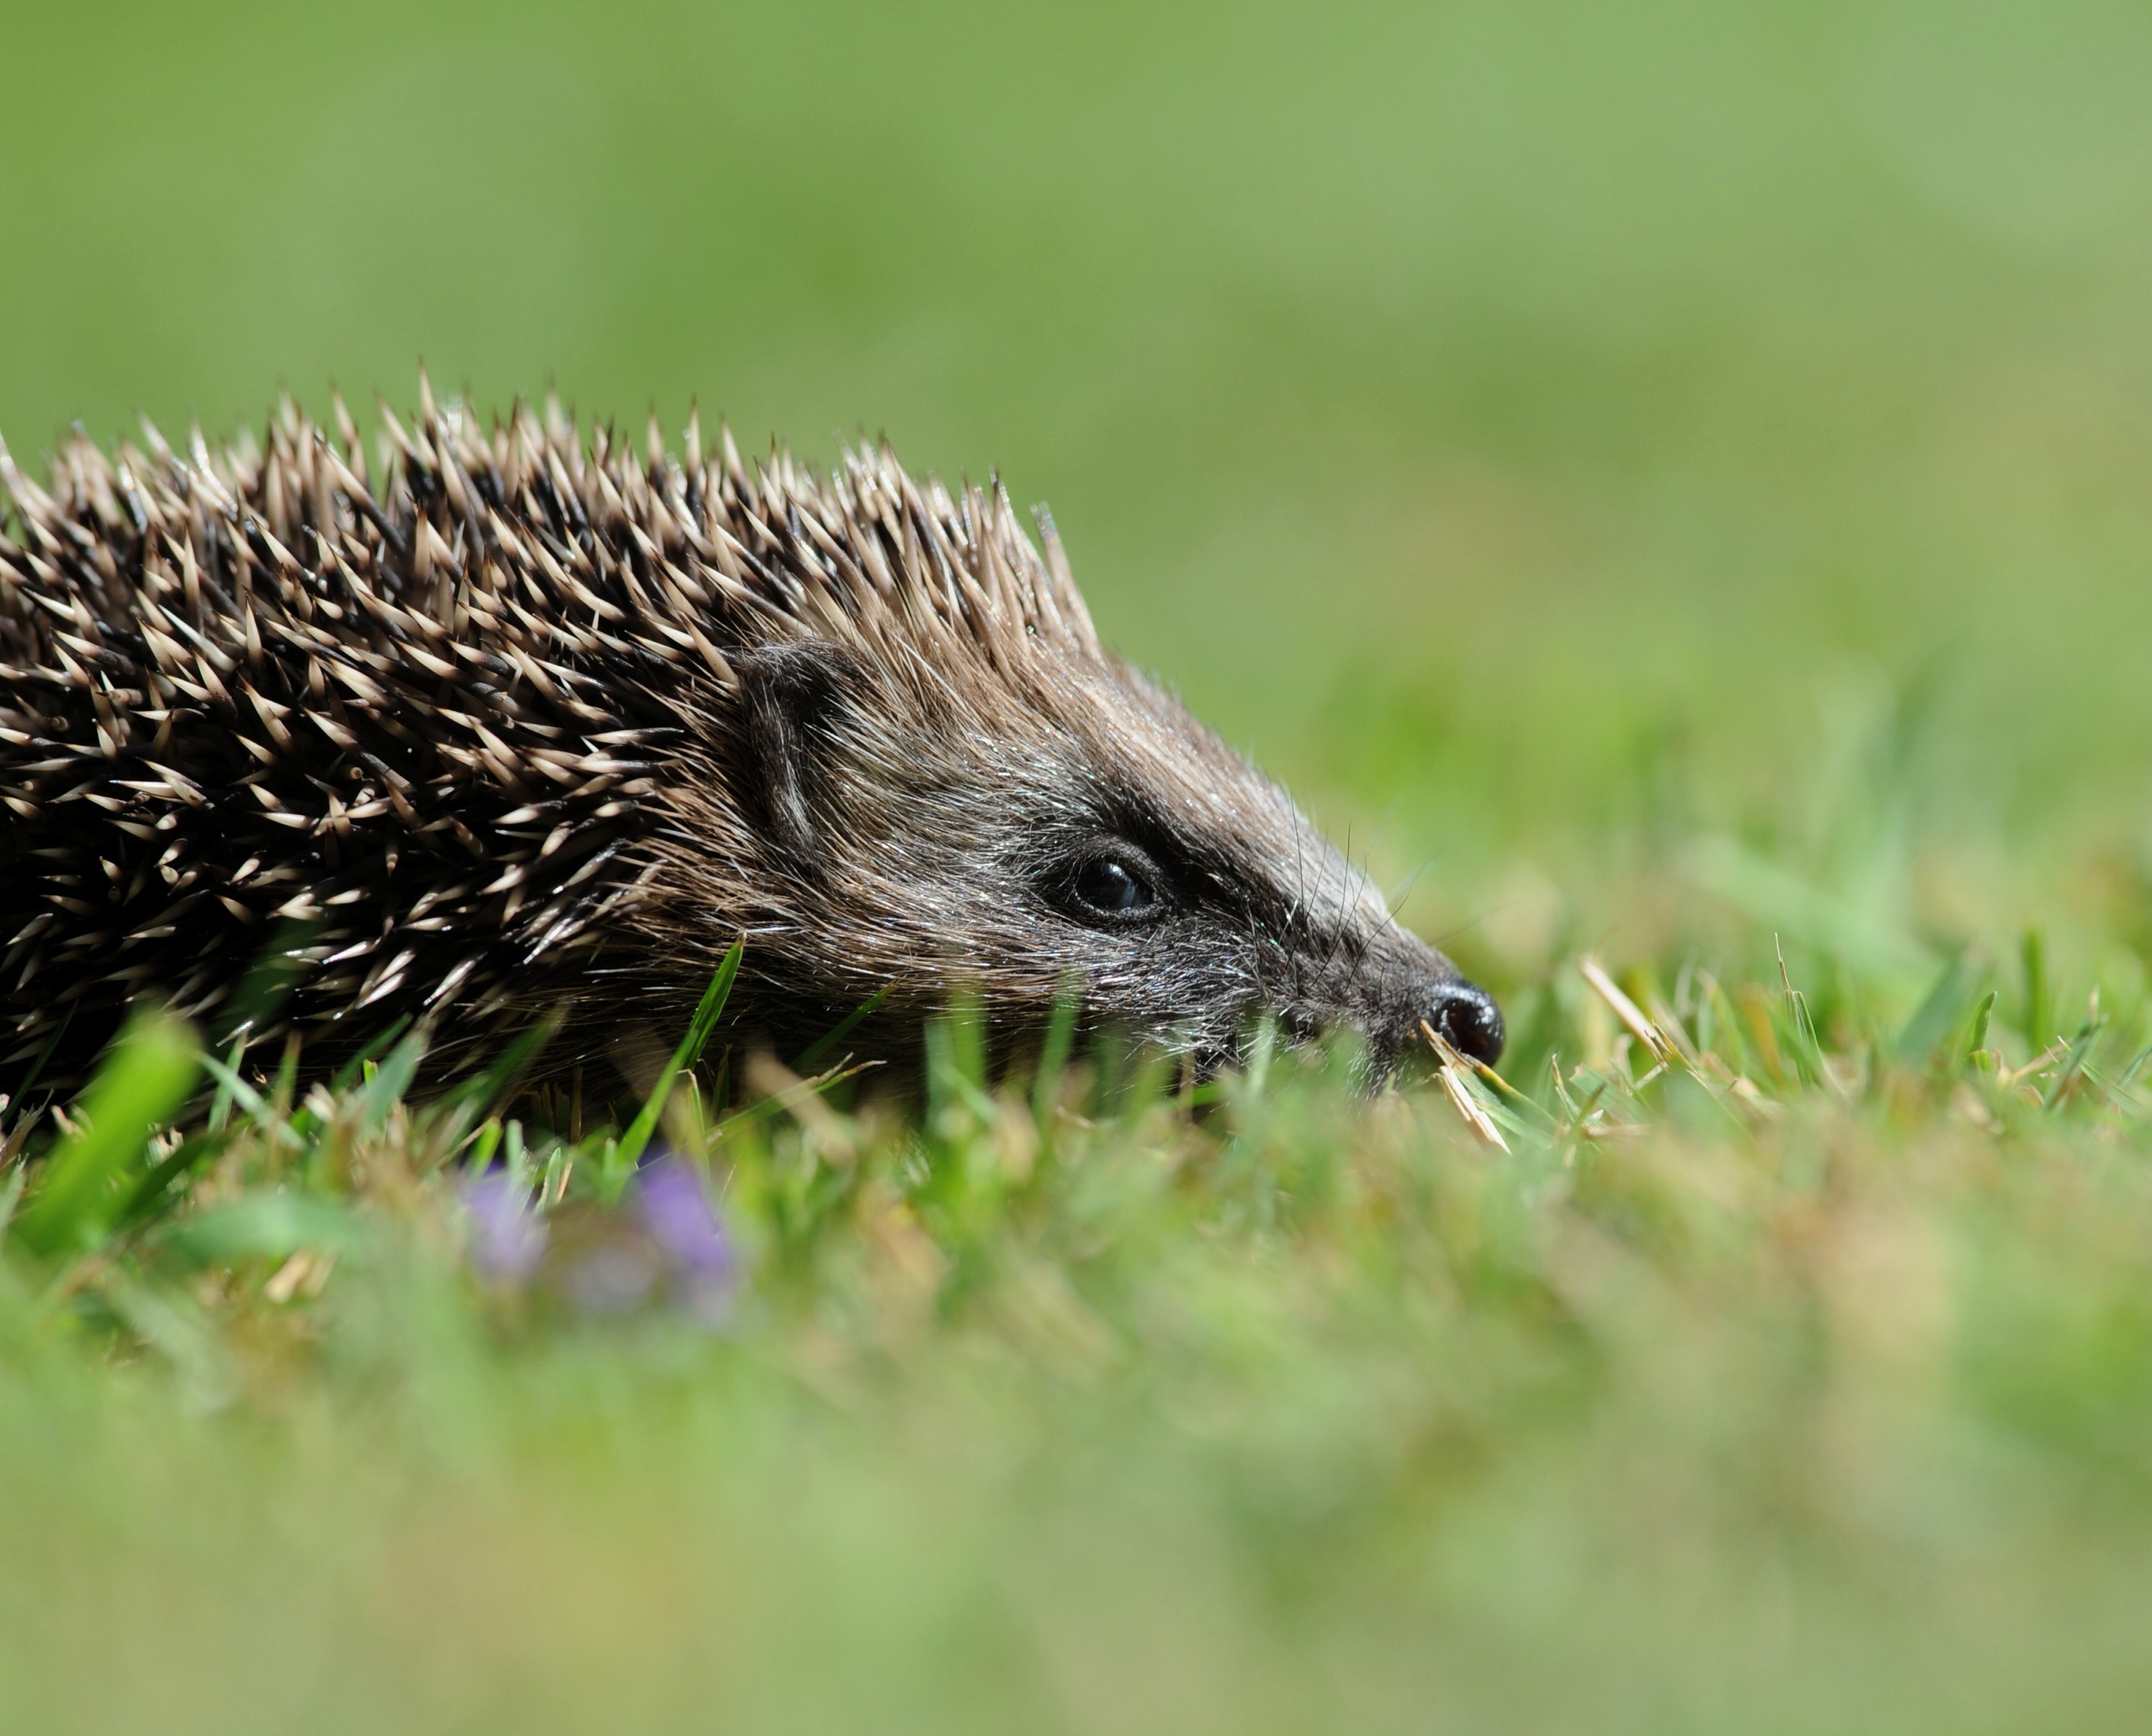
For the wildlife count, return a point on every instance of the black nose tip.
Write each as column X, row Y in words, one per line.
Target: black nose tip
column 1469, row 1022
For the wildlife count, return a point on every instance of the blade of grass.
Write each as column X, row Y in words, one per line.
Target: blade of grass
column 1938, row 1013
column 262, row 1226
column 1807, row 1047
column 306, row 1122
column 479, row 1158
column 1053, row 1054
column 1654, row 1040
column 385, row 1088
column 956, row 1065
column 768, row 1108
column 2129, row 1074
column 806, row 1062
column 148, row 1193
column 45, row 1055
column 963, row 1051
column 1450, row 1073
column 624, row 1157
column 232, row 1089
column 148, row 1075
column 2039, row 1010
column 220, row 1109
column 2074, row 1060
column 1511, row 1091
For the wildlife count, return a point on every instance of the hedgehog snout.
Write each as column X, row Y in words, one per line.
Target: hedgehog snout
column 1393, row 989
column 1411, row 990
column 1465, row 1016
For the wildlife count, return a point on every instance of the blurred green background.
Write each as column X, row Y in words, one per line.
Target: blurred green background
column 1523, row 424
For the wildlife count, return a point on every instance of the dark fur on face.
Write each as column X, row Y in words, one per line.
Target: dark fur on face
column 526, row 726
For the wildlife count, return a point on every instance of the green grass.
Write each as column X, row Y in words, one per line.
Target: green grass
column 1791, row 1368
column 1668, row 482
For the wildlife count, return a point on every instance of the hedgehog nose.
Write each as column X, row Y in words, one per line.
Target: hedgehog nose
column 1468, row 1020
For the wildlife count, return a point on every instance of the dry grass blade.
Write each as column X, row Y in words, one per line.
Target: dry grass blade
column 1451, row 1073
column 1632, row 1015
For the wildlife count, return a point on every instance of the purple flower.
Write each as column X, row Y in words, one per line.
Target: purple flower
column 666, row 1246
column 677, row 1215
column 507, row 1238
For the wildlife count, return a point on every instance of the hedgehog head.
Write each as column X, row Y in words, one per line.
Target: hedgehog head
column 956, row 788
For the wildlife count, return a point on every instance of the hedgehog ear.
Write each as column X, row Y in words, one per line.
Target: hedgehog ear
column 790, row 697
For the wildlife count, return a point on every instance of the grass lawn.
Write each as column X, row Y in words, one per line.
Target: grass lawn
column 1670, row 484
column 1791, row 1368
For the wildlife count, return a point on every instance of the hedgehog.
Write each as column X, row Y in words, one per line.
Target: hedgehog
column 512, row 725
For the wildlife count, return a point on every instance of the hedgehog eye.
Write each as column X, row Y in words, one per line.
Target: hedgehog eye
column 1112, row 889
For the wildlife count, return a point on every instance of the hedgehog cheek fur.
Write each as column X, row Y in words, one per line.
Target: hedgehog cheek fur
column 518, row 723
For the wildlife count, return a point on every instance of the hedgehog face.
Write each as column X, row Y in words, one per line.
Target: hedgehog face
column 1080, row 829
column 1202, row 900
column 1219, row 913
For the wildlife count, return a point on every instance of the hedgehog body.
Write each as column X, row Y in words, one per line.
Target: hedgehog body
column 506, row 723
